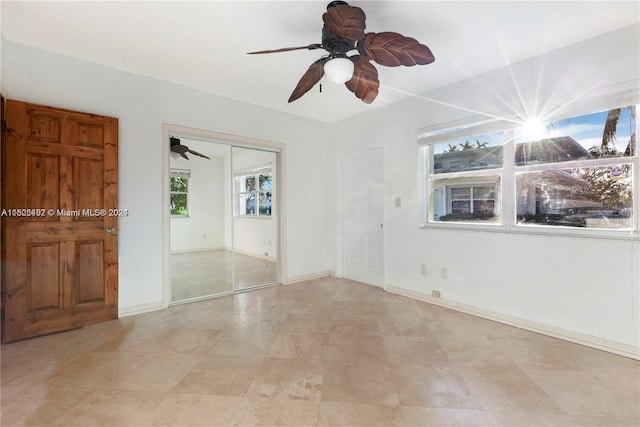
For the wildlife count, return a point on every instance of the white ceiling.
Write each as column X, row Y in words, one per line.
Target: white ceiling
column 203, row 44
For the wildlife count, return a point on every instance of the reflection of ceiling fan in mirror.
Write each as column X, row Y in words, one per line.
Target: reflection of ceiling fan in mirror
column 182, row 150
column 343, row 32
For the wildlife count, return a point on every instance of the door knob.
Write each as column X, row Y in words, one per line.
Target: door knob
column 111, row 230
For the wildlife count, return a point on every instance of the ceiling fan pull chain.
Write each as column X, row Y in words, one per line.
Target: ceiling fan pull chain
column 320, row 87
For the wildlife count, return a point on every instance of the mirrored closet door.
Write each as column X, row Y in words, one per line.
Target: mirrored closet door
column 223, row 225
column 255, row 225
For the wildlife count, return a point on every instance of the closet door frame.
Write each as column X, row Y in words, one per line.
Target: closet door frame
column 234, row 141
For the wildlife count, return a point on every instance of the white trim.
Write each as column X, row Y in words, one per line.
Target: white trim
column 140, row 309
column 305, row 277
column 529, row 325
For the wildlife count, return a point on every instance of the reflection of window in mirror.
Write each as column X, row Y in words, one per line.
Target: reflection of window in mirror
column 251, row 200
column 179, row 192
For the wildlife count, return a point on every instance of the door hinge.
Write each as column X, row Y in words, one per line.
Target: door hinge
column 3, row 126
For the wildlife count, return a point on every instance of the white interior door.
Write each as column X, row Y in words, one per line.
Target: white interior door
column 363, row 216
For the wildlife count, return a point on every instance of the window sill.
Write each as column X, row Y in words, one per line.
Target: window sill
column 537, row 230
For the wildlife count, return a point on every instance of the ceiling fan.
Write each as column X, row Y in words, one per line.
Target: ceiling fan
column 343, row 32
column 182, row 150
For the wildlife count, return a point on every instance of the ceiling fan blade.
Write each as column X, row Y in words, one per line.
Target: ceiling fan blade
column 184, row 155
column 364, row 83
column 346, row 22
column 393, row 49
column 287, row 49
column 309, row 79
column 197, row 154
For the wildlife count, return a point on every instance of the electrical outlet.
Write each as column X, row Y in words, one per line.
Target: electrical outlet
column 444, row 273
column 423, row 269
column 204, row 237
column 435, row 294
column 398, row 202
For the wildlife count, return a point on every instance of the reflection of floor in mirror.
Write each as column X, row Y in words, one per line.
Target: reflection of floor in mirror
column 199, row 274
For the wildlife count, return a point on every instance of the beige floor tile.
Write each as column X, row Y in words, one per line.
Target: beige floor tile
column 363, row 325
column 359, row 414
column 296, row 322
column 194, row 341
column 156, row 372
column 261, row 411
column 476, row 354
column 137, row 339
column 434, row 387
column 353, row 308
column 405, row 308
column 299, row 345
column 178, row 410
column 38, row 408
column 353, row 291
column 514, row 419
column 244, row 341
column 432, row 417
column 220, row 375
column 507, row 389
column 265, row 358
column 581, row 393
column 415, row 350
column 112, row 408
column 296, row 379
column 96, row 368
column 356, row 347
column 407, row 326
column 359, row 382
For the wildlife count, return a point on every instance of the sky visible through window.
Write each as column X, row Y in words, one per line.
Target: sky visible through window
column 587, row 130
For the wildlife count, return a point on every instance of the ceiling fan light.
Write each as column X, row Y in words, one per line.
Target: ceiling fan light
column 339, row 70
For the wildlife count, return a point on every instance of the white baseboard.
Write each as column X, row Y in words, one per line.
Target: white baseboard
column 193, row 251
column 140, row 309
column 320, row 275
column 552, row 331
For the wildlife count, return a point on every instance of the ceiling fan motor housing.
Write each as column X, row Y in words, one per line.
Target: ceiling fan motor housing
column 336, row 46
column 337, row 3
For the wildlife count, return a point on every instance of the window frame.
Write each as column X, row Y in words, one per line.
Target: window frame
column 256, row 173
column 428, row 138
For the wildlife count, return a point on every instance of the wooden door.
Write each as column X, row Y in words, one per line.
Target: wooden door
column 363, row 216
column 59, row 220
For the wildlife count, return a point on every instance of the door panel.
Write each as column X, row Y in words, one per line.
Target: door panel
column 362, row 219
column 61, row 264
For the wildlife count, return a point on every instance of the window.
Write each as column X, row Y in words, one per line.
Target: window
column 465, row 179
column 577, row 173
column 179, row 191
column 253, row 192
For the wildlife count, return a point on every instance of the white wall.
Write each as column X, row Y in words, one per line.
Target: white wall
column 204, row 227
column 142, row 105
column 584, row 285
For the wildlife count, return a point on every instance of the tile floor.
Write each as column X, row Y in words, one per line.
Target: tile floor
column 320, row 353
column 198, row 274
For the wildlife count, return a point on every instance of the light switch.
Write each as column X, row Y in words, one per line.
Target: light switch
column 398, row 202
